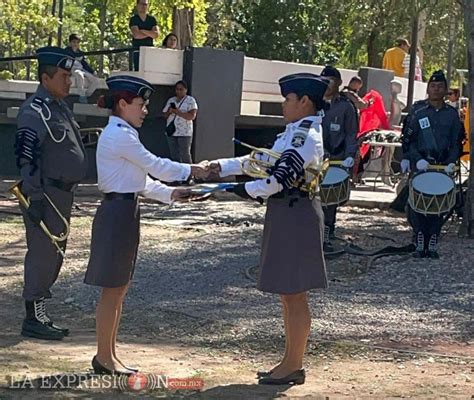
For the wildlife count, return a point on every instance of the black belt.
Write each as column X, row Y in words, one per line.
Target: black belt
column 120, row 196
column 67, row 187
column 290, row 193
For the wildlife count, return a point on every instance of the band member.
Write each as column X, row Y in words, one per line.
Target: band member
column 291, row 261
column 340, row 131
column 432, row 137
column 52, row 160
column 123, row 165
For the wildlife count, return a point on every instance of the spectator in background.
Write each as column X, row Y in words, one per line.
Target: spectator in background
column 85, row 78
column 144, row 30
column 170, row 41
column 453, row 98
column 396, row 105
column 180, row 110
column 351, row 91
column 393, row 58
column 406, row 66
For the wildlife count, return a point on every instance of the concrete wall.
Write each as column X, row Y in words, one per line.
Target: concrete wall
column 215, row 80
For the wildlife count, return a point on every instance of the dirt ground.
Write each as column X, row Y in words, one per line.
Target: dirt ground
column 158, row 339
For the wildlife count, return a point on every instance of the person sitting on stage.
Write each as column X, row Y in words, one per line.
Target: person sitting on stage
column 123, row 165
column 291, row 261
column 432, row 137
column 340, row 128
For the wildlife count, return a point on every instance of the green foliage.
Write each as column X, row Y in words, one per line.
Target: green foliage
column 347, row 33
column 20, row 18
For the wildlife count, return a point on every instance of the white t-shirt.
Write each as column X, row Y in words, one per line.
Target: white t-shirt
column 183, row 126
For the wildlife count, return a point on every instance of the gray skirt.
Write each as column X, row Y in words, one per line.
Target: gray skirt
column 114, row 244
column 292, row 259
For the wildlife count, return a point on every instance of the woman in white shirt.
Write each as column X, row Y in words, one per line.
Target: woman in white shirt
column 180, row 111
column 123, row 165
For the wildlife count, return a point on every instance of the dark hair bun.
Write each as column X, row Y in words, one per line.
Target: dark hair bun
column 105, row 102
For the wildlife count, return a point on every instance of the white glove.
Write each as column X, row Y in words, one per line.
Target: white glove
column 348, row 162
column 422, row 165
column 405, row 166
column 449, row 169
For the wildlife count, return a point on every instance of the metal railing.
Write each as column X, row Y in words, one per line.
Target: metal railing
column 110, row 52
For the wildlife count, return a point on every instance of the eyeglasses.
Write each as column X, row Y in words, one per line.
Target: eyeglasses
column 450, row 93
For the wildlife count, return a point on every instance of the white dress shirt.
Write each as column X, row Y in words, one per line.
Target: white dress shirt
column 123, row 164
column 311, row 150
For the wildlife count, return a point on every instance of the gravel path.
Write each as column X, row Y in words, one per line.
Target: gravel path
column 192, row 279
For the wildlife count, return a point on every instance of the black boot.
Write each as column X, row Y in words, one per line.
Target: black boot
column 327, row 245
column 37, row 324
column 433, row 247
column 420, row 246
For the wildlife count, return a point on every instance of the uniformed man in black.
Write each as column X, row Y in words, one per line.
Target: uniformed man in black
column 51, row 159
column 340, row 128
column 144, row 30
column 432, row 137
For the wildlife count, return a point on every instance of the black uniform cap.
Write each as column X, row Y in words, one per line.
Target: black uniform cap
column 438, row 76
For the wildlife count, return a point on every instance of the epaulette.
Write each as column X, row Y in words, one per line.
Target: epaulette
column 306, row 124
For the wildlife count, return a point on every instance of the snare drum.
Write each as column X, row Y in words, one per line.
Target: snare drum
column 432, row 193
column 334, row 189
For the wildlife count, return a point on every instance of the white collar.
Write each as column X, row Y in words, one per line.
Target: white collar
column 313, row 118
column 113, row 119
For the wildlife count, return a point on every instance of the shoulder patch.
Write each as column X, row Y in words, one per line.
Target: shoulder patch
column 299, row 138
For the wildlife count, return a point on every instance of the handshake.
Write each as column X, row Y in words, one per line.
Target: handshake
column 206, row 170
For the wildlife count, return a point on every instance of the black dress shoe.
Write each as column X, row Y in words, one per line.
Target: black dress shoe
column 261, row 374
column 99, row 369
column 295, row 378
column 36, row 329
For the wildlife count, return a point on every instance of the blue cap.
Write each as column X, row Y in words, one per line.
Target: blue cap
column 302, row 84
column 56, row 56
column 331, row 72
column 132, row 84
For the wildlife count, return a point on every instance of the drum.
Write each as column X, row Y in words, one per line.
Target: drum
column 334, row 189
column 432, row 193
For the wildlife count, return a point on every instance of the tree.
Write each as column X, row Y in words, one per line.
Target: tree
column 26, row 25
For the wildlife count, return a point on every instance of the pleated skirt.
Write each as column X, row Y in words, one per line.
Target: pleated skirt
column 114, row 244
column 292, row 258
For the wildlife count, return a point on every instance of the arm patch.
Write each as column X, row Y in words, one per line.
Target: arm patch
column 27, row 148
column 288, row 168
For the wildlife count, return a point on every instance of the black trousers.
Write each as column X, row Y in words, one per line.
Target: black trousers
column 426, row 224
column 42, row 260
column 136, row 59
column 330, row 217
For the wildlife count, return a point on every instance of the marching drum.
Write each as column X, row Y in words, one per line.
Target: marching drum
column 334, row 189
column 432, row 193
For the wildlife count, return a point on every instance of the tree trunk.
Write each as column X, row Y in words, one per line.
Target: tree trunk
column 53, row 13
column 102, row 27
column 60, row 26
column 467, row 228
column 183, row 26
column 372, row 50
